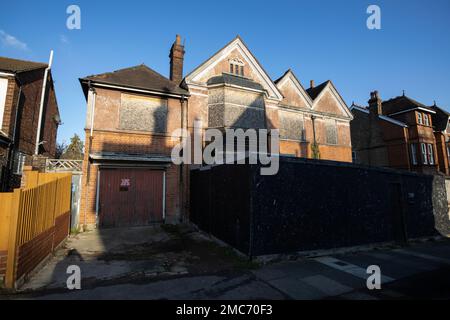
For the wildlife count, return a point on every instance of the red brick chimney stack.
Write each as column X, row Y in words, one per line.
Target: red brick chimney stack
column 176, row 60
column 375, row 103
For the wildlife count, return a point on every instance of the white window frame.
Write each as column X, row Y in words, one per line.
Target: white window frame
column 430, row 154
column 3, row 93
column 419, row 118
column 423, row 147
column 414, row 153
column 426, row 119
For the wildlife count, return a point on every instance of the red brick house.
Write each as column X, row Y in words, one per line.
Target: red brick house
column 400, row 133
column 21, row 84
column 129, row 178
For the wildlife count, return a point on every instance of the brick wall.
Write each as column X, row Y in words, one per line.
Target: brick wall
column 62, row 225
column 30, row 254
column 3, row 258
column 127, row 143
column 29, row 114
column 108, row 137
column 27, row 118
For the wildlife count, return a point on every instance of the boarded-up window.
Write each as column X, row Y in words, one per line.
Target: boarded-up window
column 140, row 113
column 331, row 129
column 291, row 126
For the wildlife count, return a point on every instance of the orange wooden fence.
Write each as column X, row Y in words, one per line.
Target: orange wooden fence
column 29, row 214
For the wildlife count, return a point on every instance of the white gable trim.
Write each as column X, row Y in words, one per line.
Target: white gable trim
column 393, row 121
column 359, row 109
column 341, row 103
column 297, row 85
column 194, row 76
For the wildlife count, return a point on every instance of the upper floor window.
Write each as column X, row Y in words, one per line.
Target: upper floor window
column 423, row 146
column 237, row 67
column 426, row 119
column 3, row 89
column 331, row 132
column 414, row 153
column 430, row 154
column 419, row 118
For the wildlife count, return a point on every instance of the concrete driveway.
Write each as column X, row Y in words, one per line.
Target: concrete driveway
column 113, row 255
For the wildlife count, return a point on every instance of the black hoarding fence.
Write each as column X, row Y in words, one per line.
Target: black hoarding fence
column 313, row 204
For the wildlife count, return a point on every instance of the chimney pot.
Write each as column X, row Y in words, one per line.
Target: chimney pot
column 311, row 84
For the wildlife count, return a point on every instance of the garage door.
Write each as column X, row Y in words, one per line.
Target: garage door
column 130, row 197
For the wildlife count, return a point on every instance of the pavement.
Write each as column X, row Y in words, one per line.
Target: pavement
column 180, row 263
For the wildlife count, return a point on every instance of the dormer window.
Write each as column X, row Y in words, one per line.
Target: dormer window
column 237, row 67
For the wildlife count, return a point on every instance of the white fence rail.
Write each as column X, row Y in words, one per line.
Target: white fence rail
column 62, row 165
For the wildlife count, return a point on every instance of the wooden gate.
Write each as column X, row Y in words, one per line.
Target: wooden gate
column 130, row 197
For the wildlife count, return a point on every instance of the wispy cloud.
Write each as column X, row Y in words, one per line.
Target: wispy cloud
column 64, row 39
column 12, row 42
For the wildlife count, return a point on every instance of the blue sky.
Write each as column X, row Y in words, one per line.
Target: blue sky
column 319, row 40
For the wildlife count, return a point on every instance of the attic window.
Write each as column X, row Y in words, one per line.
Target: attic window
column 237, row 67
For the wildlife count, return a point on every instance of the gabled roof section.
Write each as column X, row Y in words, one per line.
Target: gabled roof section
column 289, row 75
column 18, row 66
column 440, row 118
column 359, row 108
column 328, row 86
column 366, row 111
column 315, row 91
column 137, row 77
column 402, row 103
column 238, row 44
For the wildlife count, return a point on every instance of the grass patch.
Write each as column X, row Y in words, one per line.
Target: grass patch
column 75, row 231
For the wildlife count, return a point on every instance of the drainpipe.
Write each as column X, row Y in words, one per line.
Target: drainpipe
column 41, row 106
column 313, row 118
column 88, row 151
column 182, row 180
column 14, row 134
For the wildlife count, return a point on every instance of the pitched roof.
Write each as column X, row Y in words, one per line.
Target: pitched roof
column 237, row 42
column 366, row 111
column 17, row 66
column 138, row 77
column 401, row 103
column 315, row 91
column 284, row 74
column 440, row 118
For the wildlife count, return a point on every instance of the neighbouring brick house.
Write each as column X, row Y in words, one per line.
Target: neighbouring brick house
column 129, row 178
column 20, row 96
column 400, row 133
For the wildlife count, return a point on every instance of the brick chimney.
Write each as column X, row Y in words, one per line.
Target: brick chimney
column 311, row 84
column 375, row 103
column 176, row 60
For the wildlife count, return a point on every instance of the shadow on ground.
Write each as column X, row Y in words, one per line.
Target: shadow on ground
column 112, row 256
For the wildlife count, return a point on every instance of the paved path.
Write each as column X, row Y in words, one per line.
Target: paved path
column 419, row 271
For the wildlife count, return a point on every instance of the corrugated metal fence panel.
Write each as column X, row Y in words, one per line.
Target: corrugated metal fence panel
column 220, row 203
